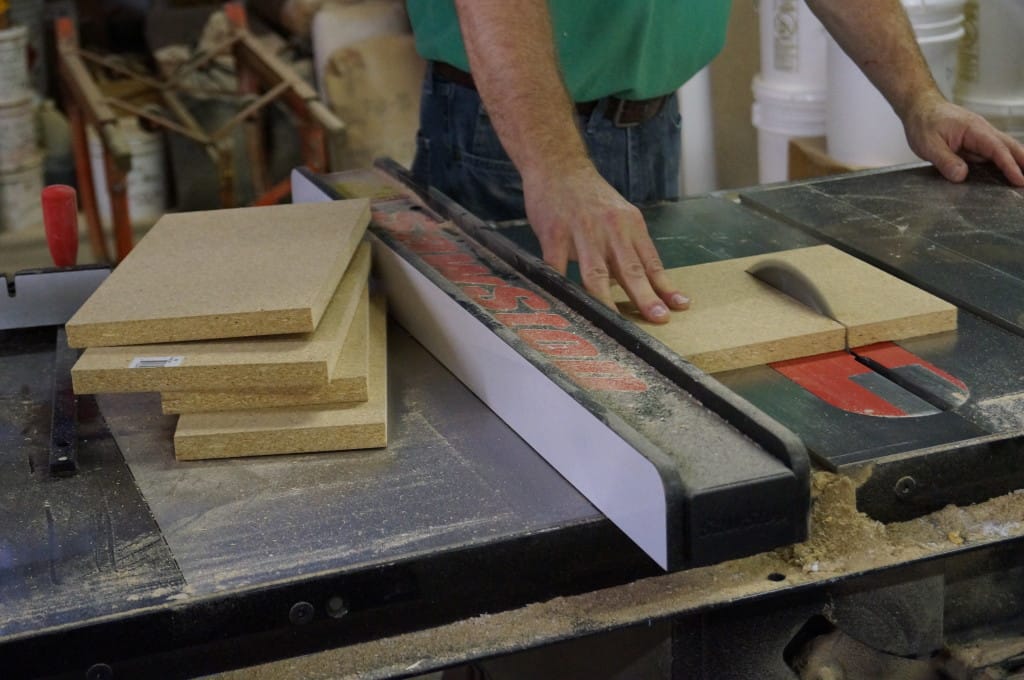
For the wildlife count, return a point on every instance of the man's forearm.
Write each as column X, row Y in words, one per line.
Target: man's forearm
column 512, row 55
column 879, row 38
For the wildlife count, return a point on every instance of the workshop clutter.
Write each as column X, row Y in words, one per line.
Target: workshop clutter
column 256, row 325
column 21, row 167
column 369, row 73
column 990, row 80
column 862, row 129
column 789, row 92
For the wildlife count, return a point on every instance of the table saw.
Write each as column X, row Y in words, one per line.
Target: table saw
column 335, row 564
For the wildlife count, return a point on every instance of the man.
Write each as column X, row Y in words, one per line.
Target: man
column 568, row 117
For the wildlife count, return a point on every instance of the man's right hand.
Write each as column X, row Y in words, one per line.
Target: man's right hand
column 579, row 216
column 575, row 213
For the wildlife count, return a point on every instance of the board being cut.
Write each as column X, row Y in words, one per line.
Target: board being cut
column 736, row 321
column 300, row 361
column 225, row 274
column 357, row 425
column 873, row 305
column 347, row 384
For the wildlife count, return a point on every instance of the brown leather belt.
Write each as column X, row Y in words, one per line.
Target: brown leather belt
column 621, row 112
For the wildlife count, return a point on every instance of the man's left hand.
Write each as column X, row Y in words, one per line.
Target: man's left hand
column 949, row 136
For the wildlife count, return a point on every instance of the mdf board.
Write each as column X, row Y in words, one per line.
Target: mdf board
column 357, row 425
column 306, row 360
column 735, row 320
column 347, row 384
column 872, row 304
column 225, row 274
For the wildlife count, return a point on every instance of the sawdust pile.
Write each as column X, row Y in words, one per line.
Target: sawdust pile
column 843, row 539
column 839, row 532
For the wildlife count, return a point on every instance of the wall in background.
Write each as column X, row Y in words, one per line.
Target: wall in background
column 731, row 75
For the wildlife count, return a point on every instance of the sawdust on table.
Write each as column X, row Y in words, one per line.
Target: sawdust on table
column 844, row 539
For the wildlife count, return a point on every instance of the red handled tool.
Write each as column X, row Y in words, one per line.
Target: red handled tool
column 60, row 219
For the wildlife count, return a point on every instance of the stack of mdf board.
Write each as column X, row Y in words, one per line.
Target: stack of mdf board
column 256, row 325
column 737, row 321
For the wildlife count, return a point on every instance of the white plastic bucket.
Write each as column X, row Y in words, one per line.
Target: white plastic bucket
column 1005, row 115
column 29, row 13
column 992, row 52
column 147, row 184
column 13, row 61
column 781, row 114
column 18, row 138
column 19, row 196
column 862, row 129
column 792, row 45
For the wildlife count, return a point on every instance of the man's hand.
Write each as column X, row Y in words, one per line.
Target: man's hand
column 572, row 209
column 947, row 135
column 879, row 38
column 580, row 216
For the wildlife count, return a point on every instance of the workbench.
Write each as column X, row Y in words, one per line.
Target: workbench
column 458, row 542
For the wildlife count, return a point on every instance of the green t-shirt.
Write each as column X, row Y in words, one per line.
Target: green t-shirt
column 632, row 49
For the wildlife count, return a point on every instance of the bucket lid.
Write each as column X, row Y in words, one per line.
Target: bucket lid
column 32, row 164
column 1010, row 108
column 17, row 98
column 13, row 33
column 925, row 12
column 766, row 89
column 934, row 5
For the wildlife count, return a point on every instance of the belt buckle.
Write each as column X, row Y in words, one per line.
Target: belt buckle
column 650, row 108
column 619, row 111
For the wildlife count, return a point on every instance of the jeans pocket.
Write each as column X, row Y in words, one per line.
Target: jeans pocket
column 421, row 161
column 491, row 188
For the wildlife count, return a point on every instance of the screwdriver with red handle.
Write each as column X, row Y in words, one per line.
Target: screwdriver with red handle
column 60, row 220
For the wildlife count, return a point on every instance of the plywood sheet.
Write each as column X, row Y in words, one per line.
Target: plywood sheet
column 357, row 425
column 300, row 361
column 737, row 321
column 225, row 274
column 349, row 382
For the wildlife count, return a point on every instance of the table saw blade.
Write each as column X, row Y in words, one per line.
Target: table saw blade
column 785, row 278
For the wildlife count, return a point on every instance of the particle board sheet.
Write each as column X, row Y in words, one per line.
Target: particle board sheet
column 299, row 361
column 349, row 382
column 736, row 321
column 225, row 274
column 357, row 425
column 873, row 305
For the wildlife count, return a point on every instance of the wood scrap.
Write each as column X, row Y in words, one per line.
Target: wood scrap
column 349, row 382
column 873, row 305
column 736, row 321
column 298, row 361
column 301, row 429
column 225, row 274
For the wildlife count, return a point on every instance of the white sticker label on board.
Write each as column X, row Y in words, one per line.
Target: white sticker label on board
column 156, row 362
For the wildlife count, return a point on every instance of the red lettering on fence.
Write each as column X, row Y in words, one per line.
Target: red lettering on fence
column 594, row 374
column 516, row 320
column 557, row 343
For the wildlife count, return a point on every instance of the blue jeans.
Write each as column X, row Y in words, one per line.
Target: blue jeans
column 458, row 153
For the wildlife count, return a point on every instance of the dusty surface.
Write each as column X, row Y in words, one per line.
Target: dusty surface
column 843, row 541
